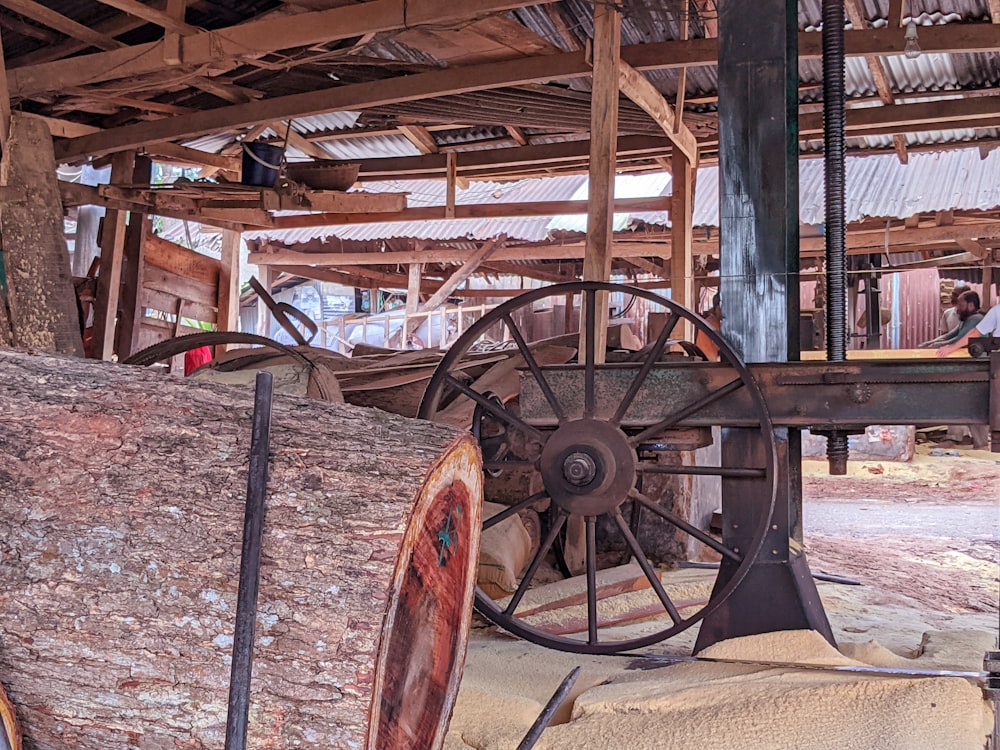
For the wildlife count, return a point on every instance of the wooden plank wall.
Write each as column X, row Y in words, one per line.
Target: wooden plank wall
column 177, row 284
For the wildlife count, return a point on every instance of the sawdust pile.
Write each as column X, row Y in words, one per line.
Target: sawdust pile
column 694, row 706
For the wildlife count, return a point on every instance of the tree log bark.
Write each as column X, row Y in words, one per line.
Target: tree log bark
column 43, row 312
column 120, row 530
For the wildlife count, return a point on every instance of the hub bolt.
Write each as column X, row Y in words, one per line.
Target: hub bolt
column 579, row 469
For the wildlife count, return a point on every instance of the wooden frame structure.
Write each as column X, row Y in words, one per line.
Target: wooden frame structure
column 485, row 89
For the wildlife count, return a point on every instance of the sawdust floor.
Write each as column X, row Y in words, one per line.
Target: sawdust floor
column 928, row 601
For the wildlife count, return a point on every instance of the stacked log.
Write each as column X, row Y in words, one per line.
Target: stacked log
column 120, row 533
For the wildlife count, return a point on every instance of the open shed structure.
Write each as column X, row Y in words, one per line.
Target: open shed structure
column 482, row 91
column 415, row 144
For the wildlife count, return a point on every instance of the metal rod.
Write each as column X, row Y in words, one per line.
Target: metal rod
column 535, row 732
column 652, row 661
column 834, row 115
column 253, row 532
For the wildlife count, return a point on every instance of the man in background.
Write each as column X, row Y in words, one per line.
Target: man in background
column 967, row 308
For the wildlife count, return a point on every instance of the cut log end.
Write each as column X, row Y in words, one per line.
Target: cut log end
column 425, row 634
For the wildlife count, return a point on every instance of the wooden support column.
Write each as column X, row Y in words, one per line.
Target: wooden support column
column 987, row 300
column 229, row 284
column 681, row 228
column 451, row 186
column 112, row 256
column 412, row 299
column 603, row 142
column 267, row 275
column 43, row 311
column 4, row 102
column 130, row 310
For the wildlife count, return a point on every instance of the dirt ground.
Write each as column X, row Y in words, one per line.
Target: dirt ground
column 926, row 530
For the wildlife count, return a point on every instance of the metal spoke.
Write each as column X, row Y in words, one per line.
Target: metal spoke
column 711, row 471
column 497, row 411
column 640, row 557
column 684, row 526
column 591, row 580
column 589, row 354
column 640, row 378
column 532, row 363
column 511, row 510
column 501, row 464
column 687, row 411
column 543, row 550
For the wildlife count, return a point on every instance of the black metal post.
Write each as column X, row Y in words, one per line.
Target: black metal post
column 535, row 732
column 253, row 531
column 759, row 254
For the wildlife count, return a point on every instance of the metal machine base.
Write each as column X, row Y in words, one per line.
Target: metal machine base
column 773, row 596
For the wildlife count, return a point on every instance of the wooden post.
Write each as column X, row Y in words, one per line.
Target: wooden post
column 43, row 310
column 452, row 180
column 681, row 221
column 4, row 103
column 603, row 151
column 263, row 312
column 112, row 255
column 987, row 299
column 229, row 285
column 139, row 228
column 412, row 300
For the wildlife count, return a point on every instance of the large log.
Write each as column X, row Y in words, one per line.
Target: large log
column 43, row 312
column 120, row 533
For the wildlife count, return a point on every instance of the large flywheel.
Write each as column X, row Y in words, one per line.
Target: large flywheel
column 585, row 437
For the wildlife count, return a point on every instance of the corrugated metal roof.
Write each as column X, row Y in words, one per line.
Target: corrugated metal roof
column 877, row 186
column 432, row 193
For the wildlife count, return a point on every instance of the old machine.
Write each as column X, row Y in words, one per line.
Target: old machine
column 588, row 433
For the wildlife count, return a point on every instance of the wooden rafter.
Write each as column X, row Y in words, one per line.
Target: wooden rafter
column 254, row 38
column 62, row 24
column 469, row 267
column 419, row 137
column 152, row 15
column 469, row 211
column 473, row 78
column 638, row 88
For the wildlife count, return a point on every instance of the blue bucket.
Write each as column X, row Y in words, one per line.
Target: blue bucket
column 261, row 164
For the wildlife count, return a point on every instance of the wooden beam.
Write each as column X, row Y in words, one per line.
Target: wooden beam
column 603, row 141
column 296, row 140
column 470, row 211
column 708, row 14
column 451, row 179
column 638, row 88
column 4, row 103
column 146, row 13
column 174, row 152
column 681, row 232
column 517, row 134
column 468, row 268
column 419, row 137
column 112, row 255
column 62, row 24
column 229, row 285
column 412, row 300
column 895, row 16
column 458, row 80
column 130, row 307
column 975, row 111
column 449, row 255
column 254, row 38
column 994, row 6
column 899, row 146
